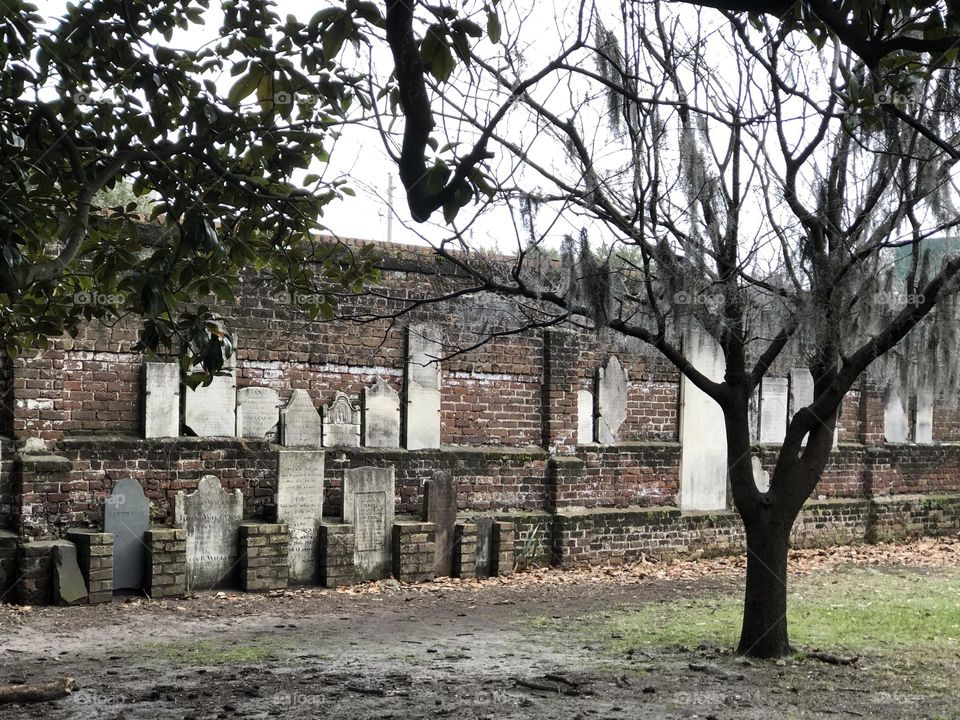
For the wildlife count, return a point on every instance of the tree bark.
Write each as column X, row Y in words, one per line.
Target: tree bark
column 764, row 631
column 39, row 692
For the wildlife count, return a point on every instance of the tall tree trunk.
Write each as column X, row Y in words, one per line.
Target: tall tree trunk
column 764, row 632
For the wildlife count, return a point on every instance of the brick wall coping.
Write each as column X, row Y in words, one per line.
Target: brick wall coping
column 46, row 463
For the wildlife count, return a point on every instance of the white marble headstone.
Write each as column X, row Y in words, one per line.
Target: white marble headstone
column 258, row 412
column 300, row 424
column 212, row 410
column 381, row 416
column 896, row 425
column 423, row 387
column 584, row 417
column 368, row 505
column 923, row 427
column 341, row 423
column 773, row 410
column 161, row 387
column 300, row 505
column 611, row 401
column 212, row 518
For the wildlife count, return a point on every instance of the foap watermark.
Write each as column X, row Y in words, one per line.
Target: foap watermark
column 898, row 299
column 299, row 299
column 92, row 297
column 686, row 297
column 285, row 97
column 289, row 700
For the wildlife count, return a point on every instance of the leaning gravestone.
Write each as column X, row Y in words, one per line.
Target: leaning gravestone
column 423, row 388
column 212, row 410
column 258, row 412
column 381, row 416
column 161, row 401
column 611, row 400
column 440, row 508
column 368, row 499
column 341, row 423
column 212, row 518
column 300, row 424
column 300, row 505
column 68, row 585
column 127, row 516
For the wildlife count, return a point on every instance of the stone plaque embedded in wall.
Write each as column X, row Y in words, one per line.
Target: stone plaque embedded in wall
column 212, row 410
column 584, row 417
column 611, row 401
column 484, row 525
column 773, row 410
column 440, row 508
column 258, row 412
column 300, row 424
column 161, row 401
column 341, row 423
column 300, row 505
column 423, row 387
column 801, row 389
column 212, row 518
column 923, row 426
column 896, row 425
column 368, row 505
column 126, row 514
column 381, row 416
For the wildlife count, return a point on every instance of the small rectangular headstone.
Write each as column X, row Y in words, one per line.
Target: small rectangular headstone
column 611, row 401
column 258, row 412
column 440, row 508
column 300, row 424
column 923, row 428
column 161, row 402
column 212, row 518
column 299, row 504
column 484, row 526
column 584, row 417
column 368, row 505
column 211, row 411
column 126, row 515
column 423, row 387
column 341, row 423
column 381, row 416
column 68, row 585
column 773, row 409
column 896, row 426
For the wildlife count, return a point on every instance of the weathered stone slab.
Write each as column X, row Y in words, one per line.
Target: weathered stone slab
column 381, row 416
column 161, row 402
column 300, row 424
column 212, row 410
column 68, row 585
column 368, row 505
column 584, row 417
column 611, row 401
column 440, row 508
column 923, row 426
column 126, row 514
column 300, row 505
column 773, row 409
column 801, row 389
column 484, row 526
column 341, row 422
column 423, row 387
column 258, row 412
column 761, row 477
column 896, row 423
column 212, row 519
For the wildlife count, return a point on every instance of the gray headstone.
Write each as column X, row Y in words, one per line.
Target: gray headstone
column 161, row 401
column 126, row 514
column 212, row 519
column 68, row 585
column 300, row 424
column 923, row 427
column 212, row 410
column 423, row 387
column 773, row 409
column 258, row 412
column 440, row 508
column 611, row 401
column 300, row 505
column 381, row 416
column 801, row 389
column 584, row 417
column 484, row 543
column 341, row 423
column 896, row 425
column 368, row 505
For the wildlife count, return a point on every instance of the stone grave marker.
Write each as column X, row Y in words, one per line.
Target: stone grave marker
column 896, row 422
column 584, row 417
column 381, row 416
column 484, row 525
column 126, row 515
column 300, row 505
column 68, row 585
column 440, row 508
column 611, row 400
column 368, row 505
column 423, row 387
column 258, row 412
column 212, row 410
column 212, row 518
column 300, row 424
column 773, row 409
column 161, row 401
column 341, row 422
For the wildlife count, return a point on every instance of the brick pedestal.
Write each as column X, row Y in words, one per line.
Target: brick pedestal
column 465, row 551
column 166, row 562
column 95, row 558
column 263, row 556
column 414, row 550
column 336, row 555
column 501, row 548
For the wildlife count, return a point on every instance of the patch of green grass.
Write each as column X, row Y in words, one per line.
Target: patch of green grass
column 211, row 652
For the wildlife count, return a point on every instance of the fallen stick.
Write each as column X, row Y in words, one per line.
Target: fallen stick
column 561, row 679
column 547, row 687
column 363, row 690
column 38, row 692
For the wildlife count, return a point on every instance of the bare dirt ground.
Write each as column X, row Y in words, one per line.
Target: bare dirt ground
column 500, row 648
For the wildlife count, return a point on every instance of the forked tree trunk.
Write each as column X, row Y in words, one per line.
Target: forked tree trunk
column 764, row 632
